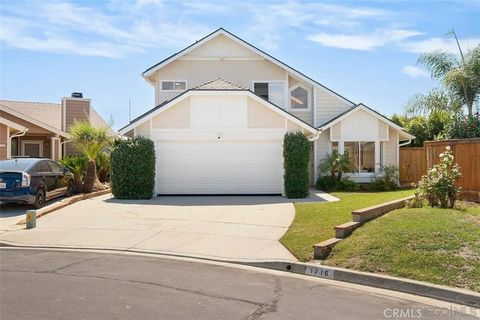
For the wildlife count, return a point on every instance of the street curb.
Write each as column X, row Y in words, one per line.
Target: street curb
column 65, row 203
column 453, row 295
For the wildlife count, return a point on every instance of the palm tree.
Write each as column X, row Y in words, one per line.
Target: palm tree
column 90, row 141
column 76, row 165
column 335, row 164
column 435, row 100
column 460, row 76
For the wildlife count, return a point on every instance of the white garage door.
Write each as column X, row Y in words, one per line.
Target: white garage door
column 237, row 167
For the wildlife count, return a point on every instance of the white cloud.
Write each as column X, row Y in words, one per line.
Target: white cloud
column 272, row 20
column 415, row 72
column 365, row 42
column 64, row 27
column 440, row 44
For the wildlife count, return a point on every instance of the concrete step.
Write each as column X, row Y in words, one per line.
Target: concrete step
column 344, row 230
column 322, row 250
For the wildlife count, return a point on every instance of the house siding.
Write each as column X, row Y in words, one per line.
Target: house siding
column 328, row 106
column 390, row 149
column 177, row 117
column 3, row 141
column 75, row 110
column 261, row 117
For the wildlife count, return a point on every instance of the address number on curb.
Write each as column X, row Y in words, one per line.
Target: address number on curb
column 319, row 272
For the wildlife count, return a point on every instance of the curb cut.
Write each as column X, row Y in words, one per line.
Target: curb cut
column 453, row 295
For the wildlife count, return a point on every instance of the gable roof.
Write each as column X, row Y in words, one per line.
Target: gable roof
column 6, row 106
column 48, row 113
column 372, row 112
column 260, row 52
column 12, row 124
column 196, row 91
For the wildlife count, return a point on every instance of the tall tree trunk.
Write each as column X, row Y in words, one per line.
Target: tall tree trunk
column 470, row 107
column 90, row 176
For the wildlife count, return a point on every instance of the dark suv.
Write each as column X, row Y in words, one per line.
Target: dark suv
column 33, row 181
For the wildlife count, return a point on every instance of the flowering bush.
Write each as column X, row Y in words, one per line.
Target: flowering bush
column 438, row 186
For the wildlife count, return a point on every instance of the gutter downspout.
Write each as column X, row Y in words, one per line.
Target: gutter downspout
column 16, row 136
column 405, row 143
column 315, row 136
column 62, row 143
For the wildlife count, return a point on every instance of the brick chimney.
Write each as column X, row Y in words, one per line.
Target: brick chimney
column 74, row 108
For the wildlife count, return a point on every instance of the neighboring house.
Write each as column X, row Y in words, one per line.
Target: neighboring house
column 37, row 129
column 223, row 107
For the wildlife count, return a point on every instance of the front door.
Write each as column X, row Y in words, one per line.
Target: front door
column 32, row 148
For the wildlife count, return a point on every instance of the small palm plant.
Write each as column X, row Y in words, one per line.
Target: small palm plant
column 335, row 164
column 103, row 166
column 90, row 141
column 76, row 165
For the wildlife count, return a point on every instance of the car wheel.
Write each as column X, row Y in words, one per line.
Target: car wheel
column 70, row 188
column 39, row 199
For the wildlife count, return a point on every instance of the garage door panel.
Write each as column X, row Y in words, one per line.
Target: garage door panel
column 219, row 167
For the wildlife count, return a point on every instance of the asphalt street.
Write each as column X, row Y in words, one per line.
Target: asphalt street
column 43, row 284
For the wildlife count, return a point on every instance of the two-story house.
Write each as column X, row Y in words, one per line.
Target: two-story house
column 223, row 107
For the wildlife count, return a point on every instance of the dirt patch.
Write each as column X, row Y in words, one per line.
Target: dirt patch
column 467, row 253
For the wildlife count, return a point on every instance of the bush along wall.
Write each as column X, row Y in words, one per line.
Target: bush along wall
column 133, row 169
column 296, row 156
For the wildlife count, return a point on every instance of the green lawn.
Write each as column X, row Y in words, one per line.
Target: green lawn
column 314, row 222
column 440, row 246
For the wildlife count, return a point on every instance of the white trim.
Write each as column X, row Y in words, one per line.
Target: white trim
column 11, row 124
column 190, row 93
column 309, row 96
column 39, row 142
column 358, row 108
column 252, row 48
column 32, row 120
column 166, row 80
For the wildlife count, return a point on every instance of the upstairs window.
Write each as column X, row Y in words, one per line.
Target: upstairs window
column 271, row 91
column 174, row 85
column 299, row 98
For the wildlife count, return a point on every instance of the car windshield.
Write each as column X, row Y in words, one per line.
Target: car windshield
column 16, row 164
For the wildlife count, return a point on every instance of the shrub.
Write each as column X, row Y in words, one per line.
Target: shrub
column 296, row 156
column 133, row 168
column 329, row 184
column 103, row 166
column 389, row 181
column 77, row 166
column 438, row 187
column 90, row 141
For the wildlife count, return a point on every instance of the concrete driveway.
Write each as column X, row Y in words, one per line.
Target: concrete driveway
column 218, row 227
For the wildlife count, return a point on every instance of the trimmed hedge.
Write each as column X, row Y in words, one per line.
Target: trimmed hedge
column 296, row 156
column 133, row 169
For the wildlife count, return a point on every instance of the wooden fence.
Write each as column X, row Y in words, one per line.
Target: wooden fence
column 414, row 162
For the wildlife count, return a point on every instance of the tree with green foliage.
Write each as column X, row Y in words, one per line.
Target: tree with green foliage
column 460, row 76
column 76, row 165
column 90, row 141
column 296, row 157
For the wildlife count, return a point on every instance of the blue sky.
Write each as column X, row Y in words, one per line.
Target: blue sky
column 366, row 51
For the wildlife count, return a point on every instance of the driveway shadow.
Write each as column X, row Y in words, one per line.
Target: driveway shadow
column 219, row 200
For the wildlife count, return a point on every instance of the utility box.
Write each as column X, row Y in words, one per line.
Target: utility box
column 31, row 219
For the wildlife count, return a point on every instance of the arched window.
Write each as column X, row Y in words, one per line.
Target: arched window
column 299, row 97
